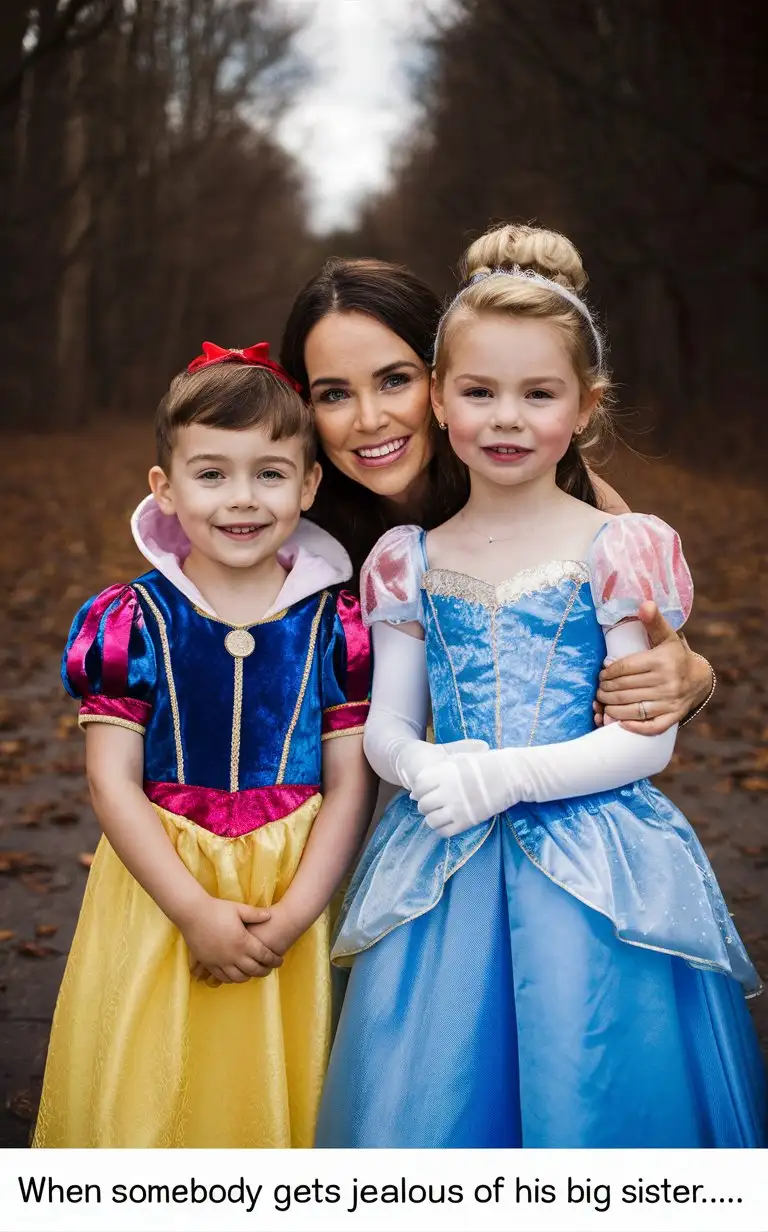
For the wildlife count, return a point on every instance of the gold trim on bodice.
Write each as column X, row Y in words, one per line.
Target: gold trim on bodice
column 154, row 609
column 304, row 679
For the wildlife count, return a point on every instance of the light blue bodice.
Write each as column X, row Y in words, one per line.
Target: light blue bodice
column 546, row 649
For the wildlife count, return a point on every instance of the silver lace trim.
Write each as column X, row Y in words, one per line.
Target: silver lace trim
column 452, row 585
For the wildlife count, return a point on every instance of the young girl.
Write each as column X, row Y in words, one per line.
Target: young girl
column 542, row 956
column 206, row 688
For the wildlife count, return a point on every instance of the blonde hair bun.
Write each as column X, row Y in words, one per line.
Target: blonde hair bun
column 547, row 252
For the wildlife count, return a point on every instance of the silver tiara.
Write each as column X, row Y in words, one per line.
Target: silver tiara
column 530, row 275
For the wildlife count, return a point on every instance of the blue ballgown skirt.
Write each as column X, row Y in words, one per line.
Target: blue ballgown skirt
column 510, row 1014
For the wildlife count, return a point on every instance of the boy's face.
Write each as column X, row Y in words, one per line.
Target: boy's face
column 237, row 494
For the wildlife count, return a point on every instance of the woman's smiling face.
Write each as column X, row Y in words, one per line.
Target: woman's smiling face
column 370, row 392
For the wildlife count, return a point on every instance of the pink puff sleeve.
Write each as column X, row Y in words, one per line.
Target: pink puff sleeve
column 390, row 579
column 346, row 672
column 636, row 557
column 109, row 661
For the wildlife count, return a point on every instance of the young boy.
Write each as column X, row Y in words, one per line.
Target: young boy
column 195, row 1007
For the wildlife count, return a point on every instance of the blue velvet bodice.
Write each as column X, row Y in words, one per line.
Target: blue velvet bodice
column 220, row 720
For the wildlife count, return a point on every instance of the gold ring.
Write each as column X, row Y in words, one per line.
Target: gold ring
column 643, row 712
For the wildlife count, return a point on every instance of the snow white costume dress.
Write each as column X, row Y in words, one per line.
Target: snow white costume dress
column 141, row 1054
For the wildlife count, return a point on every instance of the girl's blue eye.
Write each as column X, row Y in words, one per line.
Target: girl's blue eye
column 540, row 395
column 479, row 392
column 210, row 475
column 271, row 474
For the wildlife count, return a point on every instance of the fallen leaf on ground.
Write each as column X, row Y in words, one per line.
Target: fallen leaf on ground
column 16, row 862
column 64, row 819
column 7, row 934
column 38, row 883
column 46, row 930
column 86, row 858
column 31, row 949
column 22, row 1104
column 12, row 748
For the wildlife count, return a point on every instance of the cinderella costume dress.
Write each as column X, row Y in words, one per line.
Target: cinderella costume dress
column 564, row 974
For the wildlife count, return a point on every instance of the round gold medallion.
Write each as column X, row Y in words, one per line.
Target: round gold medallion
column 239, row 643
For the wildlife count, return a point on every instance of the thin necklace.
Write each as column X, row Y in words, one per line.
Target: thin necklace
column 484, row 534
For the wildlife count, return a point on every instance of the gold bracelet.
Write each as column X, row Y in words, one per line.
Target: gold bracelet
column 698, row 709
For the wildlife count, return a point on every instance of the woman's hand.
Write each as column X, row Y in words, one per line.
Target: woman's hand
column 664, row 683
column 221, row 946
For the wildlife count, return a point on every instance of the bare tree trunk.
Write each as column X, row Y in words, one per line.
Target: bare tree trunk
column 72, row 386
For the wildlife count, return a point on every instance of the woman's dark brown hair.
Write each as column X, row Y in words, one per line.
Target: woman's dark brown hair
column 397, row 299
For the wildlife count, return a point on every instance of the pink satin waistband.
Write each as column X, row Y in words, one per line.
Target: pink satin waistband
column 230, row 813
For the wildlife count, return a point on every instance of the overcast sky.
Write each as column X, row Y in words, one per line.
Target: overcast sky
column 345, row 123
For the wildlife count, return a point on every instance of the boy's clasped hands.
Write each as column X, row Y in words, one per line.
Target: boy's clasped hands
column 230, row 942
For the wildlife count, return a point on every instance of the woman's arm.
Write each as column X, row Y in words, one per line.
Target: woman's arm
column 669, row 683
column 349, row 795
column 215, row 930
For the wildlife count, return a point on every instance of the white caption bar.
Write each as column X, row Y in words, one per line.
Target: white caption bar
column 286, row 1191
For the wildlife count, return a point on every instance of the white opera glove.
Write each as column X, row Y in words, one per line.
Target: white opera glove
column 417, row 755
column 470, row 789
column 393, row 738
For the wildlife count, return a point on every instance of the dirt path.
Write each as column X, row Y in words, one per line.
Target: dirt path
column 67, row 536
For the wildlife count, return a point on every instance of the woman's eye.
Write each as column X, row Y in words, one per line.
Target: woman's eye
column 396, row 380
column 333, row 395
column 210, row 476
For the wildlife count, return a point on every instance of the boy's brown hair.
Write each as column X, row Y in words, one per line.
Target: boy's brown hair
column 236, row 396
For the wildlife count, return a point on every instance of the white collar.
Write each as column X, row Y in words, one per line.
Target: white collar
column 313, row 558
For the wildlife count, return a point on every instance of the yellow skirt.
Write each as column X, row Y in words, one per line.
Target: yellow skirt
column 142, row 1055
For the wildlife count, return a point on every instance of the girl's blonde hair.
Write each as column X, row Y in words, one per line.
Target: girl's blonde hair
column 524, row 271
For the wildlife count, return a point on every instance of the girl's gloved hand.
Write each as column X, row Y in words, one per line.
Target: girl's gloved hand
column 417, row 755
column 466, row 789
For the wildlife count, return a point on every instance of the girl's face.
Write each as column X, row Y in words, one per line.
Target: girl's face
column 237, row 494
column 370, row 393
column 510, row 397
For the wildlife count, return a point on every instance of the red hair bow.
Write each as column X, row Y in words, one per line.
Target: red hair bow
column 257, row 355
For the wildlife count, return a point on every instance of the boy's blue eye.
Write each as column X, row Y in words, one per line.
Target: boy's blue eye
column 210, row 475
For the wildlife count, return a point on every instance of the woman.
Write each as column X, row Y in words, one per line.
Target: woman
column 359, row 341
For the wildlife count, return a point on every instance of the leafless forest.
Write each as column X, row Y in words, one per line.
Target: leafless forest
column 147, row 204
